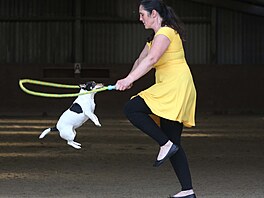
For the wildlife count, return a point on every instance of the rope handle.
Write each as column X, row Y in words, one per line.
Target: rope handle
column 54, row 95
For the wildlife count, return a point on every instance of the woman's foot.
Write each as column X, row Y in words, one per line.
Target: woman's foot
column 166, row 151
column 184, row 194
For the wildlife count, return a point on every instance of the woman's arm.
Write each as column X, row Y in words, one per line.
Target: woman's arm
column 159, row 46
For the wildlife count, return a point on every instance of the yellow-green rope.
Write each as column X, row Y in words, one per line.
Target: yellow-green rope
column 53, row 95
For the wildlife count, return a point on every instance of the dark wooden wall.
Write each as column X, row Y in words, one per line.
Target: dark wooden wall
column 46, row 39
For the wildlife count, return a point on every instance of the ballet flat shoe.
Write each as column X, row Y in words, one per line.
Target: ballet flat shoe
column 174, row 148
column 188, row 196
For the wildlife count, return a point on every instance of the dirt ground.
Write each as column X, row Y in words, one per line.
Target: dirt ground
column 225, row 155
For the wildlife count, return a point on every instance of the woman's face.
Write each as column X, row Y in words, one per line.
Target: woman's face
column 145, row 17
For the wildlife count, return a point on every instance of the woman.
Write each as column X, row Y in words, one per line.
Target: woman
column 173, row 96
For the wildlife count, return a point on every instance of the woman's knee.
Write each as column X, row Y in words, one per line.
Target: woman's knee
column 134, row 105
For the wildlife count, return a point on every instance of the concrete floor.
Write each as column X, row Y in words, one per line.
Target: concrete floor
column 225, row 155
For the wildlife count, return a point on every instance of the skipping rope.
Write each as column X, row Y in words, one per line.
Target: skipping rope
column 57, row 85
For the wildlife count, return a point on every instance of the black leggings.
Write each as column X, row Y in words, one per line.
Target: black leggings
column 138, row 113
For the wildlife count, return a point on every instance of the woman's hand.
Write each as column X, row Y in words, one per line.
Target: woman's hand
column 123, row 84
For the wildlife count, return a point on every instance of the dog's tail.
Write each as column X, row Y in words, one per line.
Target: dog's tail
column 46, row 131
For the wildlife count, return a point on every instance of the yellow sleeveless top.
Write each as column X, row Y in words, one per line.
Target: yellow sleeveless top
column 173, row 96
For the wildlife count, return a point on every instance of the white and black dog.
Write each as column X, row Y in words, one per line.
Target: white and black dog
column 80, row 111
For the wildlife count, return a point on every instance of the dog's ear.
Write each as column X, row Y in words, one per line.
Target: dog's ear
column 82, row 86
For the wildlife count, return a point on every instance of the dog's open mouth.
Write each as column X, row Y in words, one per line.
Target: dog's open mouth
column 98, row 86
column 91, row 85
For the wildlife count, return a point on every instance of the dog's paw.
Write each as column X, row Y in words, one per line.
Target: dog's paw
column 75, row 145
column 98, row 124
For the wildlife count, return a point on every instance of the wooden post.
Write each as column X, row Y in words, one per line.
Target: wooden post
column 78, row 53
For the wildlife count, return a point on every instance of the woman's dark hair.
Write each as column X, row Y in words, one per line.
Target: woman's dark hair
column 168, row 15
